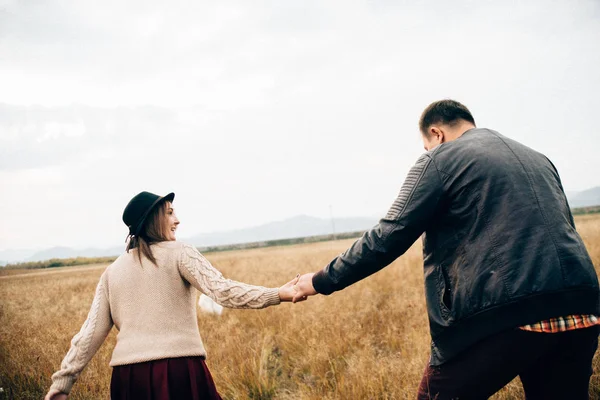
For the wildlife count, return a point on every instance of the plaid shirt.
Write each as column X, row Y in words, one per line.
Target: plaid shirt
column 563, row 324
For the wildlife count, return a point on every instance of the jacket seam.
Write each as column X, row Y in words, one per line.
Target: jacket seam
column 412, row 190
column 444, row 172
column 442, row 183
column 497, row 261
column 561, row 188
column 388, row 231
column 548, row 232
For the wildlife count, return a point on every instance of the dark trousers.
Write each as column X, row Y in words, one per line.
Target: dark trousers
column 550, row 365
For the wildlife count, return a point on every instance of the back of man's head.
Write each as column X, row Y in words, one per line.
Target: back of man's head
column 446, row 112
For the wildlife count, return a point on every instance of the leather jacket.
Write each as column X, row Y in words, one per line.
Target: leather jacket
column 500, row 247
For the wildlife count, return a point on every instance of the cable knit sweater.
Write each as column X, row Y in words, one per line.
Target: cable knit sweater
column 154, row 308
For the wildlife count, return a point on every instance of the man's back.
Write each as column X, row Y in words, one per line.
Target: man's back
column 510, row 288
column 502, row 235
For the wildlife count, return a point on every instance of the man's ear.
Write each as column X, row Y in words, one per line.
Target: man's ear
column 436, row 133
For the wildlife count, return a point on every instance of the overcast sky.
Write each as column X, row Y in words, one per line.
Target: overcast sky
column 254, row 111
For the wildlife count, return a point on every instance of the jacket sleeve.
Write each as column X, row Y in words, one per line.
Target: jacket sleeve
column 405, row 221
column 198, row 271
column 87, row 342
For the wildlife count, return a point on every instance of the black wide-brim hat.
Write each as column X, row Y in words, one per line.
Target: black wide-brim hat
column 139, row 208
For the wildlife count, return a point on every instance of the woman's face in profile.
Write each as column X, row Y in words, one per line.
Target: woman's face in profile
column 172, row 222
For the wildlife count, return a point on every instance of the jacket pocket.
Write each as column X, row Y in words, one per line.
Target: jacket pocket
column 444, row 294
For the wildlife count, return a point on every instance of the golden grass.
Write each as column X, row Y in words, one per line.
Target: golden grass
column 370, row 341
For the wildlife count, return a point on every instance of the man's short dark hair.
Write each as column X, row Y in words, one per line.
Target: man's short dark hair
column 448, row 112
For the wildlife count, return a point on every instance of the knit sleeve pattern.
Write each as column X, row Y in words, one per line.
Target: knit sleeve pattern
column 198, row 271
column 85, row 343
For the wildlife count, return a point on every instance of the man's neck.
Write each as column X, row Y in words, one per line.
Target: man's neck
column 457, row 131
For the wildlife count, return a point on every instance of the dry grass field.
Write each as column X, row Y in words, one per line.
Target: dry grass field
column 370, row 341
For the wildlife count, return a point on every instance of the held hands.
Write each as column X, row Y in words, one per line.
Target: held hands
column 298, row 289
column 304, row 288
column 287, row 291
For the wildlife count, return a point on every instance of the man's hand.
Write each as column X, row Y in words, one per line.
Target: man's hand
column 304, row 288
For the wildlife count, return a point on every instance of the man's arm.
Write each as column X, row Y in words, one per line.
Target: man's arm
column 406, row 220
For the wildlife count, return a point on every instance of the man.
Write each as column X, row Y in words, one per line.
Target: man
column 510, row 288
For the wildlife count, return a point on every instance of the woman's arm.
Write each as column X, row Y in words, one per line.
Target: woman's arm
column 198, row 271
column 85, row 344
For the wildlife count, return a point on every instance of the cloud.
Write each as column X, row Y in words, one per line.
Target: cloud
column 231, row 55
column 256, row 111
column 36, row 136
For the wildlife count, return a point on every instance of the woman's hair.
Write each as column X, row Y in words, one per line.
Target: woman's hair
column 153, row 230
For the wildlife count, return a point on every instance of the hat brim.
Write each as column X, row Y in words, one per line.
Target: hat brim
column 168, row 197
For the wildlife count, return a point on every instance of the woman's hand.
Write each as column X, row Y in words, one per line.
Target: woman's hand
column 288, row 291
column 54, row 394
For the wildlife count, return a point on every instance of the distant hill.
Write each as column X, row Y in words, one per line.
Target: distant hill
column 586, row 198
column 8, row 256
column 67, row 252
column 295, row 227
column 300, row 226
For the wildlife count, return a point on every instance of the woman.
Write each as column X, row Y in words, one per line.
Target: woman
column 149, row 294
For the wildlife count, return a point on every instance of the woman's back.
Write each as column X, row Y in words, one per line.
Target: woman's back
column 152, row 306
column 149, row 295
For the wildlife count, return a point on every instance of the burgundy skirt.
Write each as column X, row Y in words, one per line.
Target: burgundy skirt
column 168, row 379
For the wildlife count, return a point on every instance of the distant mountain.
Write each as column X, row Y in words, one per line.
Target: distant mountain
column 586, row 198
column 54, row 252
column 67, row 252
column 299, row 226
column 9, row 256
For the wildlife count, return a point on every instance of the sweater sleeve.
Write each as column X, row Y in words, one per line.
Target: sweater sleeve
column 198, row 271
column 85, row 343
